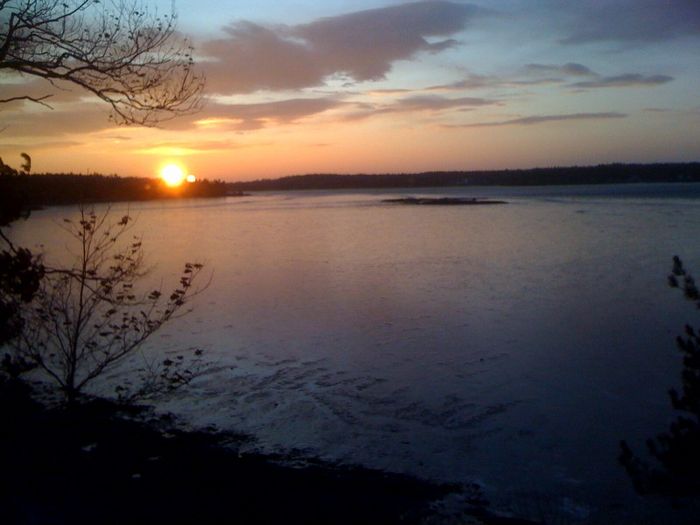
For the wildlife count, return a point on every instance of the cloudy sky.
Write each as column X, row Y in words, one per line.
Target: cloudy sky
column 388, row 86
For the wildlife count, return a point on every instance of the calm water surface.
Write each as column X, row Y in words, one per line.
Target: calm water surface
column 510, row 345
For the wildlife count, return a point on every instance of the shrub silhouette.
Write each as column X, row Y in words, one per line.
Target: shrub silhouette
column 86, row 318
column 677, row 451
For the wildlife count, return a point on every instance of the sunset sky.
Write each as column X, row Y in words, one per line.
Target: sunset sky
column 387, row 86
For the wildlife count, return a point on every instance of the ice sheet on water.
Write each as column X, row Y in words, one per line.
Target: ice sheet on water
column 337, row 415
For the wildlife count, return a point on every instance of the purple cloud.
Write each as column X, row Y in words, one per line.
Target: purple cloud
column 628, row 21
column 418, row 103
column 528, row 121
column 626, row 80
column 570, row 69
column 362, row 46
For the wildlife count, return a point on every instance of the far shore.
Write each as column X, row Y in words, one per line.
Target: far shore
column 51, row 189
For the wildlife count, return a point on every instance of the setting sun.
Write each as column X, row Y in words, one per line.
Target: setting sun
column 172, row 175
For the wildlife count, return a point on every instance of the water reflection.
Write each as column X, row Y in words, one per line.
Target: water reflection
column 515, row 345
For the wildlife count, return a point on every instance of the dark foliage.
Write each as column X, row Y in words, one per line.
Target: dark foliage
column 20, row 270
column 13, row 199
column 676, row 452
column 20, row 275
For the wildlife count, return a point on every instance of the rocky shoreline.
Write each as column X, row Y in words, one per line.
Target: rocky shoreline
column 100, row 463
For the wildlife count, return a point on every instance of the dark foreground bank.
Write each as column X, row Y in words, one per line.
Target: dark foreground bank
column 99, row 463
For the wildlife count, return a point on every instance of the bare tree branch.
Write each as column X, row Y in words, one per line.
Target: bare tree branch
column 129, row 57
column 37, row 100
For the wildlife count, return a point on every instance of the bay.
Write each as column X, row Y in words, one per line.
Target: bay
column 513, row 346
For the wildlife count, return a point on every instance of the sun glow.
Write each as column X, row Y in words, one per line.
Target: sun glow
column 172, row 174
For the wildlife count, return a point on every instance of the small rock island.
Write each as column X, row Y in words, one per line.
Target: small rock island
column 443, row 201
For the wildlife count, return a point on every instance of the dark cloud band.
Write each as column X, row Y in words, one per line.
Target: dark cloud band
column 541, row 119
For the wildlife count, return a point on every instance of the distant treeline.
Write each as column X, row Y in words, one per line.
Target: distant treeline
column 57, row 189
column 602, row 174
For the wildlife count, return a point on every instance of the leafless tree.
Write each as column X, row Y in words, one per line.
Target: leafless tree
column 87, row 317
column 125, row 54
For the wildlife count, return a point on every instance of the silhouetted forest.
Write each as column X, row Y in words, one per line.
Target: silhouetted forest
column 601, row 174
column 57, row 189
